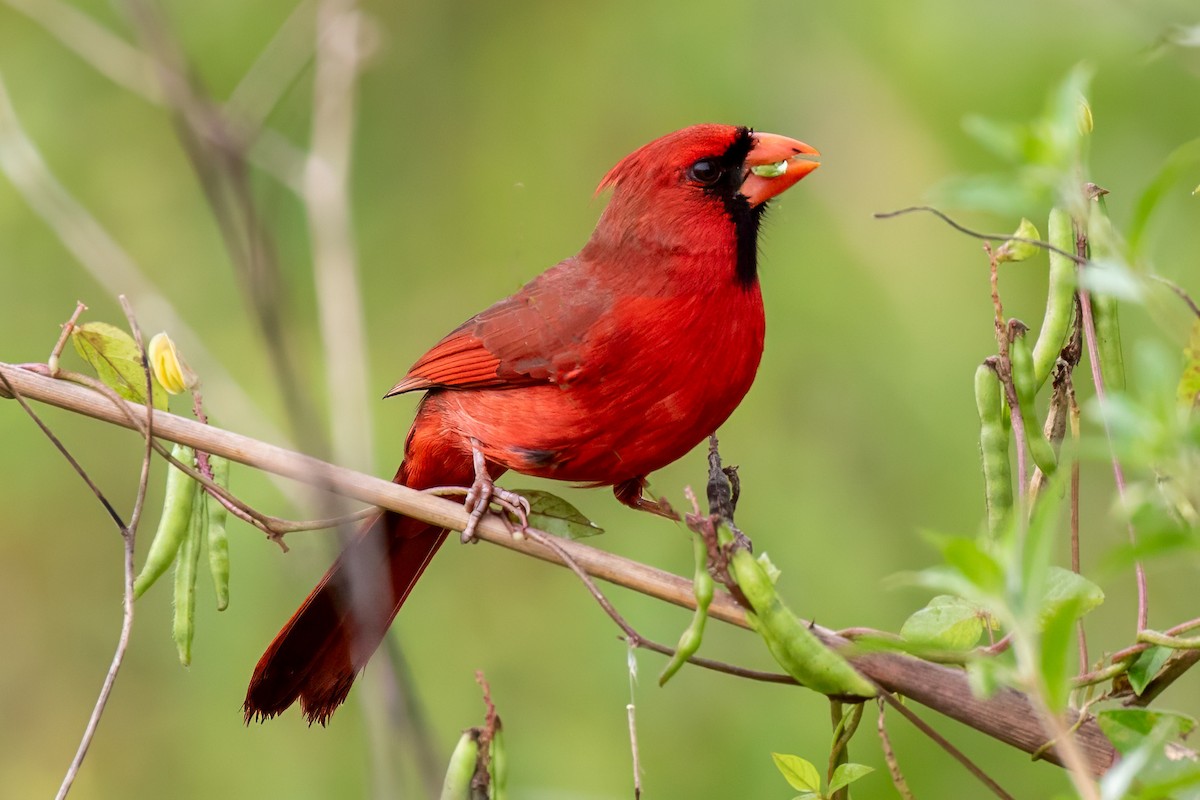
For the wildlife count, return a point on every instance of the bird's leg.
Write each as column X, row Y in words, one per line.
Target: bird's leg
column 630, row 493
column 484, row 492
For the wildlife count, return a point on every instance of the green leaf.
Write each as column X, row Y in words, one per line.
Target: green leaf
column 552, row 514
column 1146, row 666
column 975, row 564
column 1066, row 588
column 800, row 773
column 946, row 622
column 1151, row 754
column 1127, row 728
column 846, row 774
column 1056, row 640
column 1013, row 250
column 117, row 361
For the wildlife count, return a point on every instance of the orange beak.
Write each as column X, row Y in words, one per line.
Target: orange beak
column 774, row 164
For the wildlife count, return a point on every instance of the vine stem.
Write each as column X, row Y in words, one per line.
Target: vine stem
column 1089, row 335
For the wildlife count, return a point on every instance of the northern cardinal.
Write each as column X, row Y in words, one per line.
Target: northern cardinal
column 602, row 369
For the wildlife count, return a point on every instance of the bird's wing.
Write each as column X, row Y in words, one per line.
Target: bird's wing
column 536, row 336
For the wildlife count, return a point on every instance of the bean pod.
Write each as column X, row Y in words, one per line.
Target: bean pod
column 702, row 588
column 993, row 447
column 1060, row 298
column 794, row 646
column 1026, row 385
column 184, row 625
column 218, row 538
column 460, row 770
column 173, row 526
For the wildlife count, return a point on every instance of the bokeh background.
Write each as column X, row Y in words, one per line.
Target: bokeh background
column 482, row 130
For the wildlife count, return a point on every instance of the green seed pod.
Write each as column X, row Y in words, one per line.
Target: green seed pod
column 499, row 764
column 993, row 448
column 184, row 625
column 794, row 646
column 173, row 525
column 702, row 588
column 1023, row 381
column 1060, row 298
column 457, row 785
column 218, row 538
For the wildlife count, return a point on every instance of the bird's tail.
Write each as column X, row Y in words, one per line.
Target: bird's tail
column 322, row 648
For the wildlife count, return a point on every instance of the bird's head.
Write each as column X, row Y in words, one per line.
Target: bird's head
column 702, row 188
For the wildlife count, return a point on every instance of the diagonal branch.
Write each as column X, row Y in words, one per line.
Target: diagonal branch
column 1007, row 715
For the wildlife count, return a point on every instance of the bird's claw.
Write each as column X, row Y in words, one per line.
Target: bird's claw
column 483, row 493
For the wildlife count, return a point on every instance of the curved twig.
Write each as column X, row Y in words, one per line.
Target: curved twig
column 987, row 237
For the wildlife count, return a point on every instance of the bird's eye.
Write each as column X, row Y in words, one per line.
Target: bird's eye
column 705, row 172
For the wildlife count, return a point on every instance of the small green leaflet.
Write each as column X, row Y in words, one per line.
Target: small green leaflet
column 1147, row 665
column 847, row 774
column 1065, row 587
column 117, row 361
column 800, row 773
column 946, row 622
column 552, row 514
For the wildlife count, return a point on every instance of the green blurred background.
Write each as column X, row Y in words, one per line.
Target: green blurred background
column 482, row 130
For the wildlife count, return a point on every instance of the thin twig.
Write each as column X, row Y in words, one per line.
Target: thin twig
column 14, row 393
column 67, row 328
column 1179, row 290
column 631, row 635
column 889, row 753
column 129, row 539
column 990, row 237
column 631, row 716
column 944, row 743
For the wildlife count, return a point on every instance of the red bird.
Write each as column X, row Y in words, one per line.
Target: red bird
column 602, row 369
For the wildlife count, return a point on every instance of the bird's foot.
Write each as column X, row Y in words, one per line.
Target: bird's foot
column 484, row 492
column 630, row 493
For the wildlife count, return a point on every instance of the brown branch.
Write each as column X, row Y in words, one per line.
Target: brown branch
column 1007, row 715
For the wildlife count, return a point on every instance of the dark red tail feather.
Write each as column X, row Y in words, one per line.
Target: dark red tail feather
column 322, row 648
